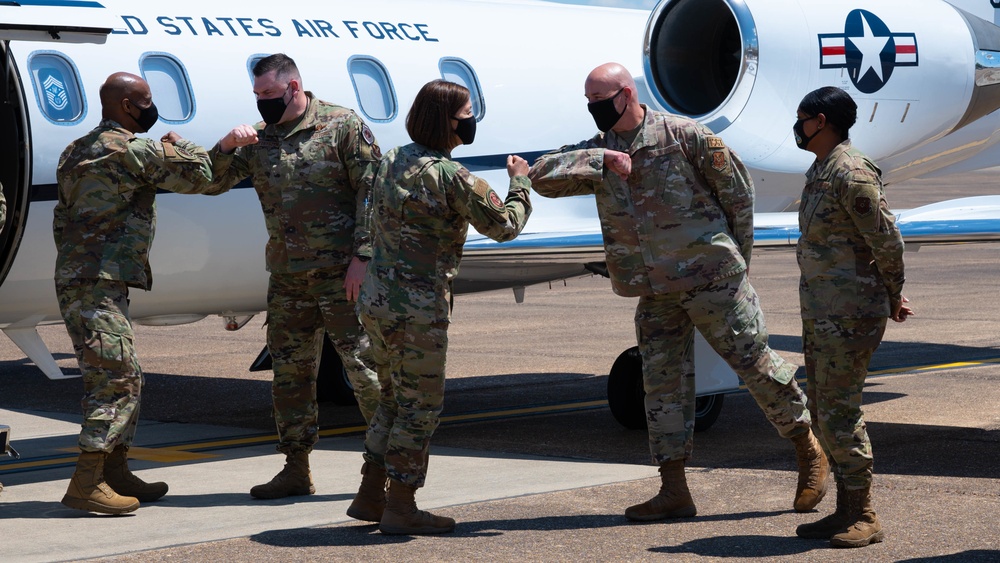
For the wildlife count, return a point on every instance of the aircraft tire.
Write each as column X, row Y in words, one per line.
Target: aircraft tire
column 706, row 411
column 332, row 384
column 626, row 395
column 625, row 392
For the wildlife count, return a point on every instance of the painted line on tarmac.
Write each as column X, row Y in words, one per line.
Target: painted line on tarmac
column 188, row 451
column 936, row 367
column 177, row 452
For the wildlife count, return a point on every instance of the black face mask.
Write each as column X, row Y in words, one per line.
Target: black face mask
column 801, row 139
column 604, row 112
column 147, row 117
column 466, row 129
column 272, row 109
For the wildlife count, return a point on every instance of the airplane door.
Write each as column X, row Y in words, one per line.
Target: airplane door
column 15, row 159
column 50, row 21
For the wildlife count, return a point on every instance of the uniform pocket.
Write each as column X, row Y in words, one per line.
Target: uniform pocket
column 744, row 313
column 108, row 341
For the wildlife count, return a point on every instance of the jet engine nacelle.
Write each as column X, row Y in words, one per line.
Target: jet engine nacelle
column 742, row 66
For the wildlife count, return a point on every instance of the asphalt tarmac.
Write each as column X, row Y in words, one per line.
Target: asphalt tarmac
column 529, row 460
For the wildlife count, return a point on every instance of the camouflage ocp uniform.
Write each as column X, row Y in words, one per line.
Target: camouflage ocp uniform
column 312, row 176
column 678, row 234
column 422, row 205
column 850, row 254
column 103, row 226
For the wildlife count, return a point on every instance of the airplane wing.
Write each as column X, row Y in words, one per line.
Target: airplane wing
column 970, row 219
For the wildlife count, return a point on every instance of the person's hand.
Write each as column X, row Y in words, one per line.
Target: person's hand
column 516, row 166
column 618, row 162
column 241, row 136
column 352, row 281
column 901, row 311
column 171, row 137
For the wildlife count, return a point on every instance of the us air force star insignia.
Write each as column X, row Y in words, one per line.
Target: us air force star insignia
column 862, row 206
column 716, row 143
column 367, row 134
column 868, row 50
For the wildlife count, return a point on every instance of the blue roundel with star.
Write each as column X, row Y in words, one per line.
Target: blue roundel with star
column 868, row 50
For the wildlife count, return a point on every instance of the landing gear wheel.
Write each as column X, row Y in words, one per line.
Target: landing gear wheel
column 706, row 411
column 626, row 395
column 332, row 384
column 625, row 391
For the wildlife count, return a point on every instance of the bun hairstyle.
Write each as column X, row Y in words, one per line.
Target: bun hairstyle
column 836, row 104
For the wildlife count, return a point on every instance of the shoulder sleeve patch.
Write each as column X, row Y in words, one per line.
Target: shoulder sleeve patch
column 862, row 206
column 715, row 142
column 369, row 139
column 483, row 190
column 177, row 153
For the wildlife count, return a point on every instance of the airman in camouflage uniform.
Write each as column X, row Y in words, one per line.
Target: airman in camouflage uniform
column 423, row 203
column 103, row 227
column 311, row 164
column 3, row 209
column 676, row 210
column 850, row 254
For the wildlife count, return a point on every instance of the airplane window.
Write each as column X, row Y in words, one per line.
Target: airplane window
column 373, row 88
column 57, row 87
column 460, row 72
column 168, row 81
column 252, row 62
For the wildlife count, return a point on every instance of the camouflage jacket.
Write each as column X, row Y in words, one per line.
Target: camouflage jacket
column 3, row 208
column 106, row 213
column 422, row 204
column 312, row 177
column 850, row 252
column 683, row 218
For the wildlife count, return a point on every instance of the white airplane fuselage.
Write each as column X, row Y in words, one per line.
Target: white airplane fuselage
column 739, row 66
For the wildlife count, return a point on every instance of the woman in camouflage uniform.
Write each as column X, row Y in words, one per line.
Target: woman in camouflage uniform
column 422, row 203
column 850, row 254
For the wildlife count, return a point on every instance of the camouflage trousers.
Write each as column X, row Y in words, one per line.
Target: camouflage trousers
column 837, row 353
column 96, row 315
column 300, row 307
column 410, row 360
column 727, row 313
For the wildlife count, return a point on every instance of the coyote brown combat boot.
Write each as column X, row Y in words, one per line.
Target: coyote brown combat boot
column 402, row 516
column 118, row 476
column 814, row 469
column 88, row 491
column 826, row 527
column 369, row 503
column 293, row 480
column 673, row 500
column 862, row 527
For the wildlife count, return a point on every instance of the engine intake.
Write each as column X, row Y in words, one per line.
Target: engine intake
column 700, row 56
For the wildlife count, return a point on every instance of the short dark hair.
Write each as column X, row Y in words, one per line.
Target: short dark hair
column 280, row 62
column 836, row 104
column 429, row 119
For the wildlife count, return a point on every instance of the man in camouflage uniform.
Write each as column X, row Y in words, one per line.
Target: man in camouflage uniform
column 103, row 227
column 676, row 210
column 311, row 163
column 422, row 205
column 850, row 254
